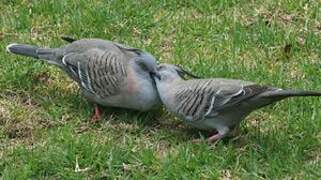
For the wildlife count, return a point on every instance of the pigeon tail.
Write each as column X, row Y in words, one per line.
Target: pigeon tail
column 281, row 94
column 48, row 54
column 21, row 49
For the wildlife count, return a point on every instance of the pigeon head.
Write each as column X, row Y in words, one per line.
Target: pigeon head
column 148, row 63
column 170, row 72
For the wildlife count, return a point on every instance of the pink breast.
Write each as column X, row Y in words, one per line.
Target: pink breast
column 131, row 82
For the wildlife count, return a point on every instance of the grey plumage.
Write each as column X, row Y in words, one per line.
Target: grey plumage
column 108, row 73
column 215, row 104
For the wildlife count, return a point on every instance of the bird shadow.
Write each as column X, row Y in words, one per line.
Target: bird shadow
column 150, row 121
column 148, row 118
column 160, row 119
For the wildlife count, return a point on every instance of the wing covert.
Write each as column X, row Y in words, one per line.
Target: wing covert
column 98, row 72
column 206, row 98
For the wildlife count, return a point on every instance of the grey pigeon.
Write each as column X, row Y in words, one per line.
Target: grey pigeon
column 215, row 104
column 108, row 73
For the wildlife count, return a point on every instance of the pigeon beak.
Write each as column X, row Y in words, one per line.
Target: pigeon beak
column 156, row 74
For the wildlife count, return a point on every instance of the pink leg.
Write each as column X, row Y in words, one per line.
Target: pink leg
column 196, row 141
column 221, row 133
column 215, row 138
column 97, row 115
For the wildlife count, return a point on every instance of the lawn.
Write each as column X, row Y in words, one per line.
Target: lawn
column 45, row 129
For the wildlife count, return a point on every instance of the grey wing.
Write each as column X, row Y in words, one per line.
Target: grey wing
column 85, row 44
column 98, row 72
column 206, row 98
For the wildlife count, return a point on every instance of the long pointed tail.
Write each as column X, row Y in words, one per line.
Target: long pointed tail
column 52, row 55
column 274, row 95
column 281, row 94
column 25, row 50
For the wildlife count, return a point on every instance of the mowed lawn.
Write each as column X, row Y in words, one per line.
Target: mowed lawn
column 45, row 129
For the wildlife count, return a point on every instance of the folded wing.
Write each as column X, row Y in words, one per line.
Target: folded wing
column 200, row 99
column 97, row 71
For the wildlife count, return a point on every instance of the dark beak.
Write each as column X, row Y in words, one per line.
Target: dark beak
column 156, row 74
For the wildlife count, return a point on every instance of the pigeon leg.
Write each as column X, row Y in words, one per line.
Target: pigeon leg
column 197, row 141
column 215, row 138
column 97, row 114
column 221, row 133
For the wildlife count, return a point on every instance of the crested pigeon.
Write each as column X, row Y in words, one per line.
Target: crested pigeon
column 215, row 104
column 108, row 73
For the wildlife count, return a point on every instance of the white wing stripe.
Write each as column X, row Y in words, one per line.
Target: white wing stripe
column 83, row 84
column 211, row 107
column 89, row 83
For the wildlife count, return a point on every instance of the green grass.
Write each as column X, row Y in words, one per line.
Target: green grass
column 44, row 119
